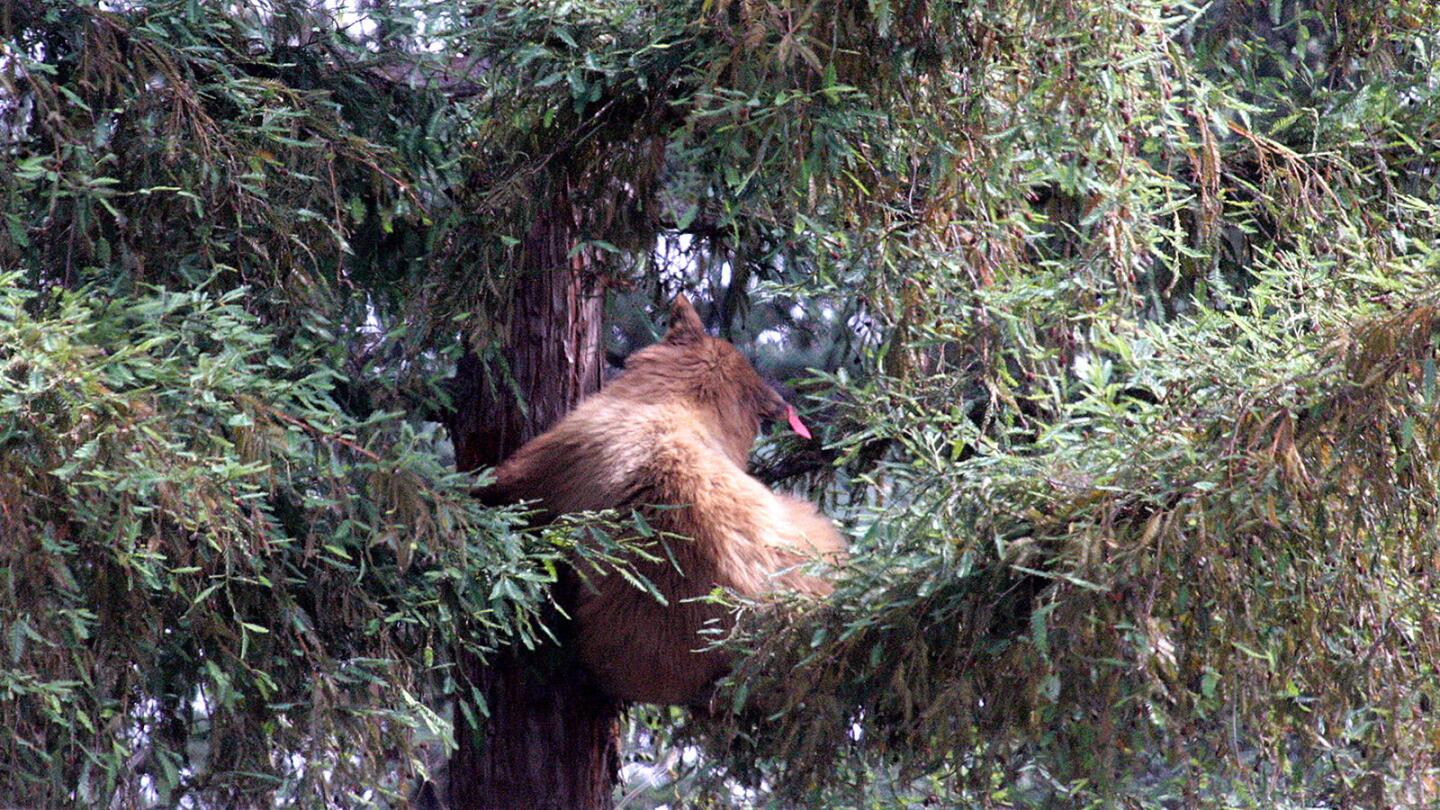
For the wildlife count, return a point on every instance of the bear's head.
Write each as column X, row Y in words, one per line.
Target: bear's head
column 710, row 375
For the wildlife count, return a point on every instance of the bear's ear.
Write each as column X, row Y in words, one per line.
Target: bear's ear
column 685, row 324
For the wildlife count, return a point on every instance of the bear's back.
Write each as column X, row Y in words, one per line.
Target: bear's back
column 721, row 529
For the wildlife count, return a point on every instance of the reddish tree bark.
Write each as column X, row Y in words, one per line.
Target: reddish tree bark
column 551, row 741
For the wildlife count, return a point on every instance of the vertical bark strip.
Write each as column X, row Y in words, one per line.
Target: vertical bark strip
column 551, row 741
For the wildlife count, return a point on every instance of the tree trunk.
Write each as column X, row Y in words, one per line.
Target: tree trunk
column 551, row 741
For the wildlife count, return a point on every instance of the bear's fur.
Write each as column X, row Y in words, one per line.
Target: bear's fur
column 674, row 429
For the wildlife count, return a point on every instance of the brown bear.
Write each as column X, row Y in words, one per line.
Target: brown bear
column 674, row 429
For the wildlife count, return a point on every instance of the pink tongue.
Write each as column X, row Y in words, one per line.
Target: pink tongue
column 795, row 423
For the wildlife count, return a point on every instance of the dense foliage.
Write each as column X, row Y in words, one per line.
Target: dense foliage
column 201, row 548
column 1123, row 316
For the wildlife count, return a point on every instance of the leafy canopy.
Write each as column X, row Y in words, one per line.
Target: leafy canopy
column 1125, row 314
